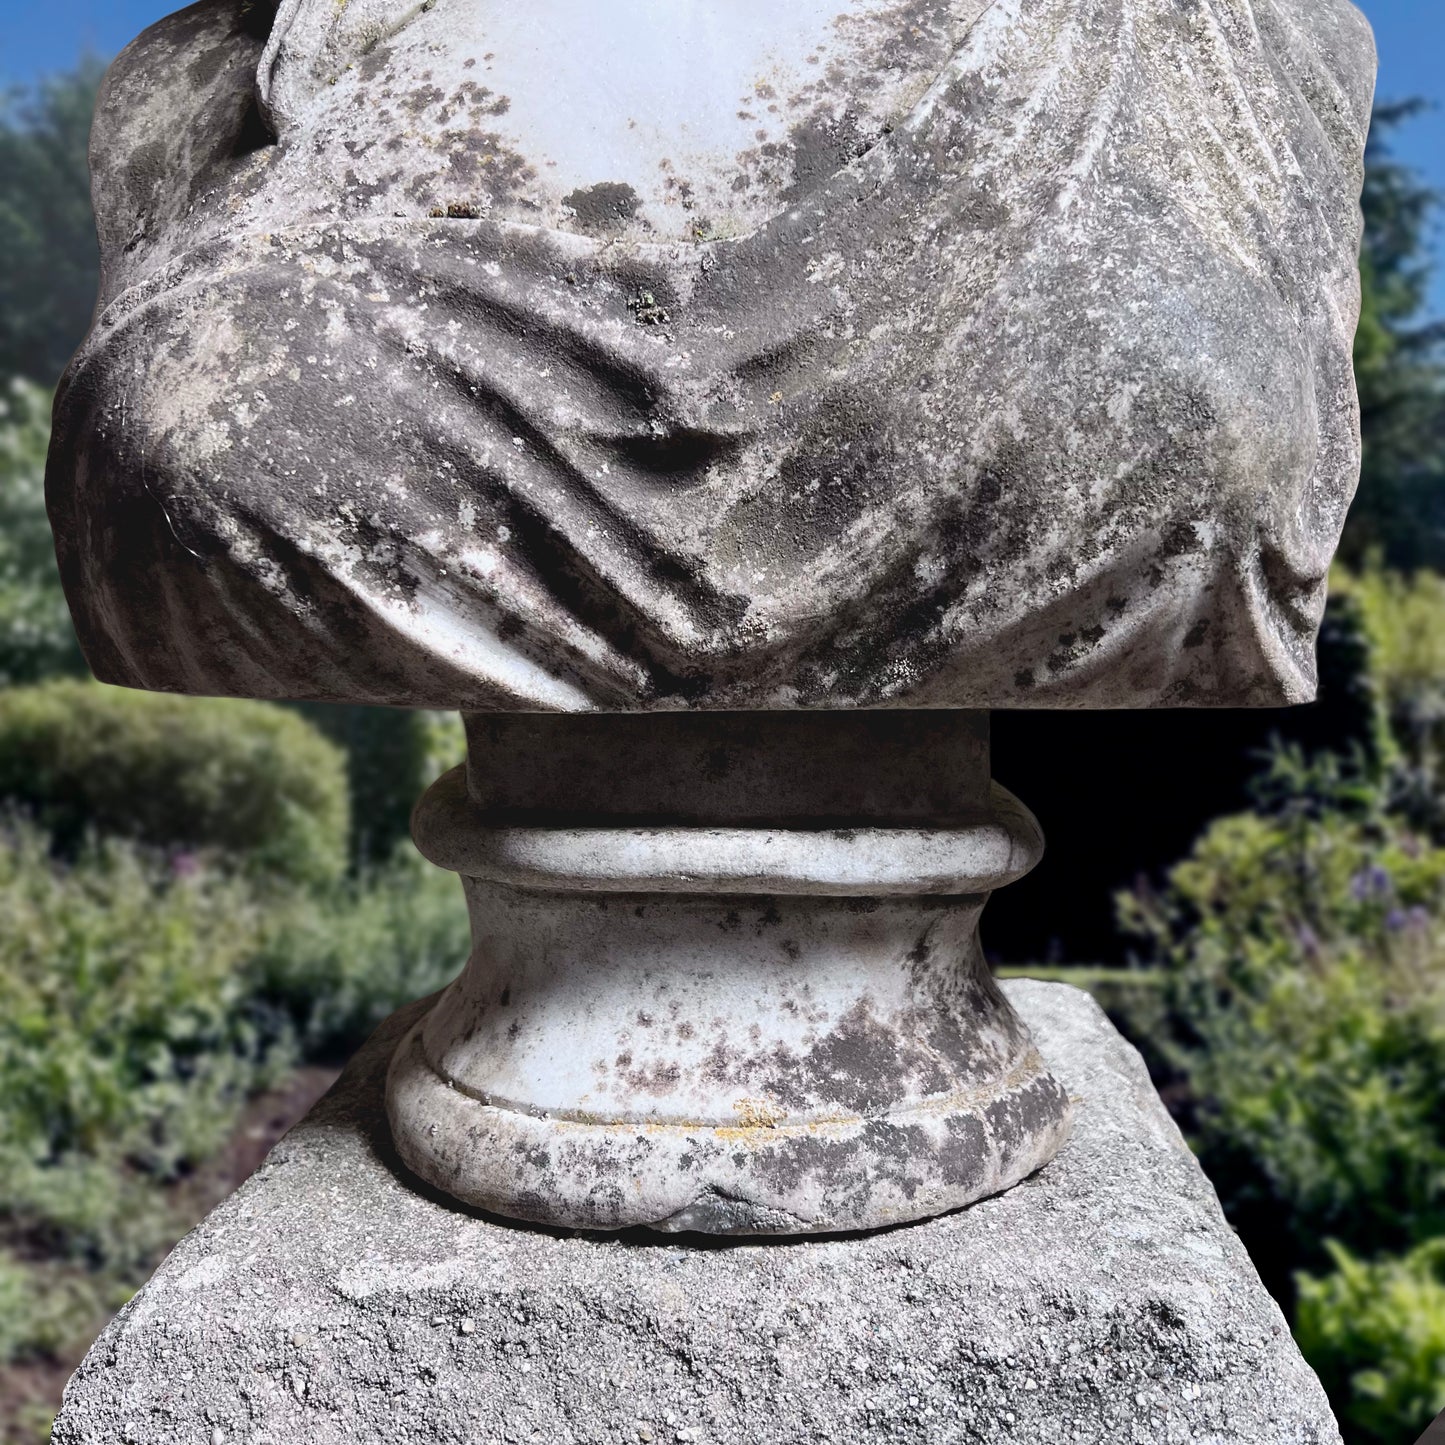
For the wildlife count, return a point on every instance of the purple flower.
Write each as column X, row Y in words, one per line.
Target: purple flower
column 1372, row 882
column 184, row 865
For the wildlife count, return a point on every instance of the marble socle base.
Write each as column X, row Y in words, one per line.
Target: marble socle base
column 335, row 1301
column 725, row 975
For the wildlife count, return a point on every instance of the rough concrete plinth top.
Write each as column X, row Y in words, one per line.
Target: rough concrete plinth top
column 1103, row 1300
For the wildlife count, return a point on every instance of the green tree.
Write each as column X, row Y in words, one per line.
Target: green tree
column 48, row 281
column 1399, row 365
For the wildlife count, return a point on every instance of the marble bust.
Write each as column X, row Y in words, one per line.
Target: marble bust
column 720, row 353
column 722, row 403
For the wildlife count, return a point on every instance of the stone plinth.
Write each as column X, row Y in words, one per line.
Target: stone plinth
column 1102, row 1300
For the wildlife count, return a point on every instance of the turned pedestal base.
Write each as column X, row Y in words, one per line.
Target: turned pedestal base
column 725, row 976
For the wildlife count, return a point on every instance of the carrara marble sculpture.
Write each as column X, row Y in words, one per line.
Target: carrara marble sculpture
column 723, row 403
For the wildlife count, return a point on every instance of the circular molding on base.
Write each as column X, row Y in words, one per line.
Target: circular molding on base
column 997, row 846
column 837, row 1176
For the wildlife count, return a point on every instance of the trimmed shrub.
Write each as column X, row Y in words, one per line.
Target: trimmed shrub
column 249, row 779
column 392, row 756
column 1375, row 1334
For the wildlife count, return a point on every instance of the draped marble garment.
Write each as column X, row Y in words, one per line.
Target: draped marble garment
column 490, row 357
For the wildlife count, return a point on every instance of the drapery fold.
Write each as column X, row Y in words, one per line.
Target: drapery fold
column 1043, row 399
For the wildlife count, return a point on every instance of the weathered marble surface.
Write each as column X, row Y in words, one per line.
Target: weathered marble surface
column 725, row 975
column 1102, row 1302
column 654, row 355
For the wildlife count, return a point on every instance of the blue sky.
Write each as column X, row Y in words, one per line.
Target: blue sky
column 38, row 37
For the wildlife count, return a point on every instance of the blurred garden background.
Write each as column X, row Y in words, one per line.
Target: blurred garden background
column 206, row 905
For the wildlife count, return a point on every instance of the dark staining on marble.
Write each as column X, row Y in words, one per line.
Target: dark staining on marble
column 962, row 1160
column 205, row 67
column 534, row 1156
column 846, row 1170
column 915, row 637
column 864, row 1064
column 364, row 191
column 1017, row 1119
column 823, row 490
column 146, row 166
column 484, row 161
column 476, row 99
column 606, row 206
column 821, row 145
column 658, row 1081
column 1180, row 539
column 916, row 615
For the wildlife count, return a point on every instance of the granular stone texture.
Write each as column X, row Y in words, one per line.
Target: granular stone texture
column 330, row 1300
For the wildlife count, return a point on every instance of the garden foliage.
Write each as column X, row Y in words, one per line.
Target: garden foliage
column 1300, row 1012
column 1301, row 950
column 1404, row 620
column 143, row 999
column 36, row 638
column 253, row 781
column 334, row 963
column 1375, row 1332
column 180, row 927
column 126, row 1048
